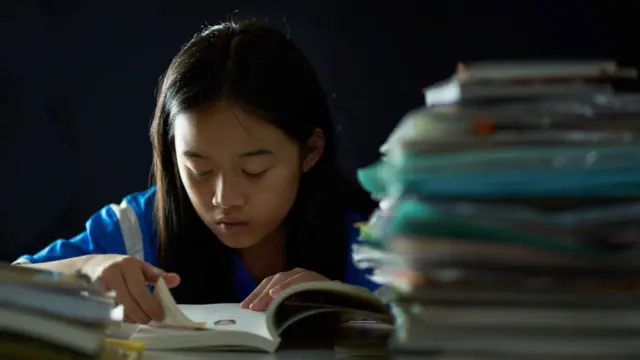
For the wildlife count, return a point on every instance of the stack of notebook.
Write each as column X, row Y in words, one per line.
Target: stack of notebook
column 47, row 315
column 511, row 227
column 502, row 81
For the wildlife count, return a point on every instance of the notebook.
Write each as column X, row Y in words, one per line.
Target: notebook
column 525, row 80
column 50, row 315
column 228, row 326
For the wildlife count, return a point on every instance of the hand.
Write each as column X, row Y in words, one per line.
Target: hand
column 269, row 288
column 128, row 277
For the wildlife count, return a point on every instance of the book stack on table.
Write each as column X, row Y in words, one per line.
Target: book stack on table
column 509, row 218
column 48, row 315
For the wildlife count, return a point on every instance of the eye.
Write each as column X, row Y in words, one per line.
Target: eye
column 199, row 175
column 254, row 175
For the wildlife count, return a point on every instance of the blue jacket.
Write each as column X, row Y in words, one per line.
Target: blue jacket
column 128, row 228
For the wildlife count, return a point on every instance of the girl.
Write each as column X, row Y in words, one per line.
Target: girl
column 248, row 198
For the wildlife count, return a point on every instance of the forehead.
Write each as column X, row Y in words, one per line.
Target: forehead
column 225, row 129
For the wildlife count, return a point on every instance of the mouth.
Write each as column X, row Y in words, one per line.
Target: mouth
column 232, row 226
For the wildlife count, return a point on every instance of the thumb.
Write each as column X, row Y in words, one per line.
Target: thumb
column 152, row 274
column 172, row 280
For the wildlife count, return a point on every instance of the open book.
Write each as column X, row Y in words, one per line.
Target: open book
column 228, row 326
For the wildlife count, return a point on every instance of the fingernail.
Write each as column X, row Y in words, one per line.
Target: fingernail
column 171, row 279
column 275, row 291
column 256, row 306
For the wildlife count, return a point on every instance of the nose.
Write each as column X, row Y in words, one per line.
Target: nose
column 226, row 195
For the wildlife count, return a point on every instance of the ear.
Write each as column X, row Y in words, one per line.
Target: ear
column 315, row 148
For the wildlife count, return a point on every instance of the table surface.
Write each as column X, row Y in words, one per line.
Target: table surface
column 359, row 341
column 307, row 354
column 285, row 354
column 326, row 354
column 369, row 340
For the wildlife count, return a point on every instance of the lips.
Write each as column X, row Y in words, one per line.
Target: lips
column 231, row 225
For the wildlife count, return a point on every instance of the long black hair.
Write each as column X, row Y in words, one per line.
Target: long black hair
column 260, row 69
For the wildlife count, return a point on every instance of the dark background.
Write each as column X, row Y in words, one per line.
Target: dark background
column 77, row 80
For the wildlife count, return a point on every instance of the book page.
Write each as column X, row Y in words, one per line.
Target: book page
column 331, row 293
column 223, row 317
column 228, row 317
column 310, row 298
column 173, row 316
column 224, row 328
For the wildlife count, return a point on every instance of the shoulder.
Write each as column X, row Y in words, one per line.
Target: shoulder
column 141, row 201
column 136, row 209
column 139, row 204
column 135, row 216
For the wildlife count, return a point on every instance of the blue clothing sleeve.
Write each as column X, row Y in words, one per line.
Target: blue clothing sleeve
column 127, row 228
column 102, row 236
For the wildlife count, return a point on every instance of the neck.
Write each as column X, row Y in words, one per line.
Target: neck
column 271, row 249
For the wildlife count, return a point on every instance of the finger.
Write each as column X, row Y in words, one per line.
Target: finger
column 306, row 276
column 131, row 307
column 172, row 280
column 137, row 287
column 256, row 292
column 263, row 300
column 151, row 273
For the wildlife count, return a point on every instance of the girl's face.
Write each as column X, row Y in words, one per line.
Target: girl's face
column 240, row 172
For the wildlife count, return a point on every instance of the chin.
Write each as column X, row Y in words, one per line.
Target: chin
column 238, row 244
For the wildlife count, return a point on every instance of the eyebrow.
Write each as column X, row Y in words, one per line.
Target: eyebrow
column 194, row 154
column 256, row 152
column 252, row 153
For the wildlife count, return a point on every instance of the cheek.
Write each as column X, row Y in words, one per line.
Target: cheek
column 276, row 196
column 199, row 193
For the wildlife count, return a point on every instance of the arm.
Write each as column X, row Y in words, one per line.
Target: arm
column 66, row 266
column 103, row 235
